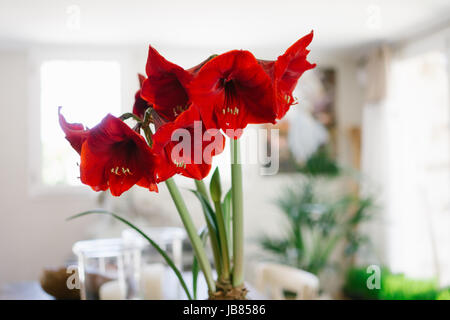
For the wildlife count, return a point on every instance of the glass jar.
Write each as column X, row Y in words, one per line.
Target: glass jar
column 108, row 269
column 157, row 280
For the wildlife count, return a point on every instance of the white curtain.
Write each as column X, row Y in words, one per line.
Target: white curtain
column 406, row 149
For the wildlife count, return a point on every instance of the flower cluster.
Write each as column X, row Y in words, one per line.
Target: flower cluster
column 224, row 93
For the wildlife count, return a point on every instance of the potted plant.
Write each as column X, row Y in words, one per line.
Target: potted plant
column 318, row 224
column 180, row 117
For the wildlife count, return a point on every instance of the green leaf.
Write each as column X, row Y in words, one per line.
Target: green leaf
column 363, row 211
column 215, row 188
column 169, row 261
column 201, row 187
column 210, row 215
column 195, row 268
column 226, row 208
column 211, row 222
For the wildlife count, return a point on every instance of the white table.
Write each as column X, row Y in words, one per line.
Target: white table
column 31, row 290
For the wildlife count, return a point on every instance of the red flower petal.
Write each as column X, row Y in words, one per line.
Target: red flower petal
column 140, row 105
column 76, row 134
column 116, row 157
column 231, row 91
column 286, row 71
column 165, row 85
column 193, row 161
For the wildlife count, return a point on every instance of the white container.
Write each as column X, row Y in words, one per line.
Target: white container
column 105, row 260
column 154, row 268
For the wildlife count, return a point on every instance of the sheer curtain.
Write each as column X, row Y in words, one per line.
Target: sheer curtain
column 406, row 150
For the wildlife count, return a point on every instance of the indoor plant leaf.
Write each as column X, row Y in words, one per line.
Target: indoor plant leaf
column 211, row 223
column 195, row 268
column 226, row 208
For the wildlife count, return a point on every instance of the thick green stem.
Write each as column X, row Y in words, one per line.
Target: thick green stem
column 225, row 274
column 201, row 187
column 192, row 233
column 238, row 216
column 215, row 246
column 148, row 135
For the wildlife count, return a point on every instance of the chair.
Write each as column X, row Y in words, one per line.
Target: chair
column 280, row 278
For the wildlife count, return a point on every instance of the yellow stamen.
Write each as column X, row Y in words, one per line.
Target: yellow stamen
column 121, row 170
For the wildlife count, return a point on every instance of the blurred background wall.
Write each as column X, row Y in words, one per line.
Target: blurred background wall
column 33, row 230
column 34, row 223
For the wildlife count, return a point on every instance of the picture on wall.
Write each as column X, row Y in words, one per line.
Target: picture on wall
column 310, row 123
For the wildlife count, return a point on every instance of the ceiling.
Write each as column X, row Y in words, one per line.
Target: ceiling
column 248, row 24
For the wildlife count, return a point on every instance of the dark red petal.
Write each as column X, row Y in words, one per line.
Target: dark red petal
column 196, row 171
column 291, row 65
column 165, row 86
column 232, row 90
column 196, row 162
column 140, row 105
column 116, row 157
column 288, row 69
column 92, row 169
column 146, row 183
column 118, row 184
column 165, row 168
column 141, row 78
column 76, row 134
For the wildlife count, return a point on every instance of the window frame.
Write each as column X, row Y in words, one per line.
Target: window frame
column 37, row 56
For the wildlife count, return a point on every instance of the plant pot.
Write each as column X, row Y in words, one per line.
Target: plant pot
column 225, row 291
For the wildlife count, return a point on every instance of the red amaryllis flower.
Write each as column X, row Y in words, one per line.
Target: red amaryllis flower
column 76, row 133
column 231, row 91
column 187, row 146
column 113, row 156
column 140, row 105
column 165, row 86
column 286, row 71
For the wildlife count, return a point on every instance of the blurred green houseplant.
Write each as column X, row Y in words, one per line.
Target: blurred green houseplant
column 317, row 223
column 392, row 287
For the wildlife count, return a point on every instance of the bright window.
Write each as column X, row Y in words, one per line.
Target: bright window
column 87, row 91
column 419, row 176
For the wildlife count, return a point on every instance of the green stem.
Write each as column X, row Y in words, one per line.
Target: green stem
column 215, row 245
column 129, row 115
column 238, row 216
column 146, row 127
column 201, row 187
column 196, row 242
column 225, row 274
column 148, row 135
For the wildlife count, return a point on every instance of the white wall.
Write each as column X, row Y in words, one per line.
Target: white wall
column 33, row 232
